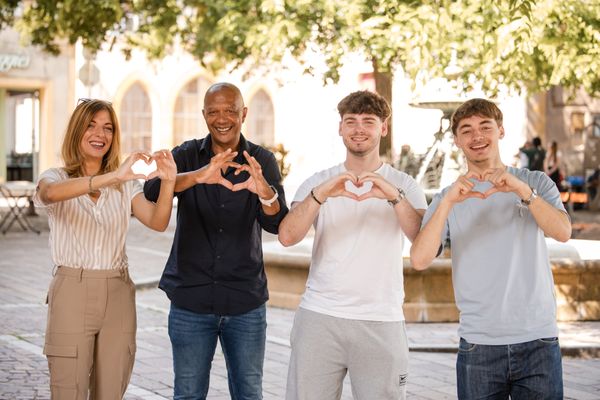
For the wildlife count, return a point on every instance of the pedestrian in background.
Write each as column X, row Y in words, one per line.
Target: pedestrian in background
column 228, row 191
column 523, row 156
column 553, row 166
column 407, row 161
column 536, row 155
column 90, row 334
column 496, row 217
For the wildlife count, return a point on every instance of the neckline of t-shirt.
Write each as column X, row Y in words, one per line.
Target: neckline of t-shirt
column 377, row 171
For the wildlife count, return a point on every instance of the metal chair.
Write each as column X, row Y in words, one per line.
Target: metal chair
column 18, row 195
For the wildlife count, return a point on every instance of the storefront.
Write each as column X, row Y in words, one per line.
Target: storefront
column 36, row 93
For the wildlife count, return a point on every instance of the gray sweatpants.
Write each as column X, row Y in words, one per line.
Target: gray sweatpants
column 325, row 348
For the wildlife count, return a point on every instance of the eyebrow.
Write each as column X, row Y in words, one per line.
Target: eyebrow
column 369, row 118
column 105, row 124
column 469, row 125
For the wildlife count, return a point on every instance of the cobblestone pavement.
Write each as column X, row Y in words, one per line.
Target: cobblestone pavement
column 25, row 263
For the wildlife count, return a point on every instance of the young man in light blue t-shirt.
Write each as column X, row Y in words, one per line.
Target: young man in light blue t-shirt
column 496, row 217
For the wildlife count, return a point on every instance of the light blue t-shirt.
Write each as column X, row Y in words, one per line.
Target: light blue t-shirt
column 501, row 274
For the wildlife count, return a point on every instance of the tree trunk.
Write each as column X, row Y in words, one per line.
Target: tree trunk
column 383, row 86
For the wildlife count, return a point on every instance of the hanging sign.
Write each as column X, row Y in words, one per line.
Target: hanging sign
column 9, row 61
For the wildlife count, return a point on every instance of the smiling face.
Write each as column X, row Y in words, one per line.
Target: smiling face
column 92, row 141
column 224, row 113
column 478, row 138
column 362, row 133
column 98, row 136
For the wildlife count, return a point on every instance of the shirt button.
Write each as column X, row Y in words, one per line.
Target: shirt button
column 222, row 205
column 218, row 257
column 220, row 230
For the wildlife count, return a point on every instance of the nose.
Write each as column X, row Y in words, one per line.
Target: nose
column 97, row 130
column 477, row 135
column 359, row 127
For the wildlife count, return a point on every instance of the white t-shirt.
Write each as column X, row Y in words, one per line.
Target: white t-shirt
column 356, row 268
column 84, row 234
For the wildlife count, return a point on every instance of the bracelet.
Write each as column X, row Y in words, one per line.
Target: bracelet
column 90, row 190
column 532, row 197
column 312, row 194
column 272, row 199
column 401, row 196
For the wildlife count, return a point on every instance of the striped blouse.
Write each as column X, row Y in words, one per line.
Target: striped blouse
column 87, row 234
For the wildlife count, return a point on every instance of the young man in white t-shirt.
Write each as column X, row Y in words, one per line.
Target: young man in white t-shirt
column 495, row 217
column 350, row 319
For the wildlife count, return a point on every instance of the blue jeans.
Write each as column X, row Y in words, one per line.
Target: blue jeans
column 194, row 340
column 523, row 371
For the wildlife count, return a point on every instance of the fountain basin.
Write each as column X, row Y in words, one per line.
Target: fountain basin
column 429, row 296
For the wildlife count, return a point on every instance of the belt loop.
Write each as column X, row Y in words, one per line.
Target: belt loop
column 124, row 274
column 54, row 270
column 80, row 273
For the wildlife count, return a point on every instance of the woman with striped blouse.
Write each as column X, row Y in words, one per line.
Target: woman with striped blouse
column 90, row 334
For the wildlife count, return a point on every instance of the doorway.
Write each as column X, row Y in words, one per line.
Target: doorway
column 22, row 134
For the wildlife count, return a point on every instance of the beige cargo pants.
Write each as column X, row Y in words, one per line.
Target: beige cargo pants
column 90, row 335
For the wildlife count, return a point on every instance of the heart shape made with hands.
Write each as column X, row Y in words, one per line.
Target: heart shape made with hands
column 143, row 167
column 483, row 178
column 358, row 190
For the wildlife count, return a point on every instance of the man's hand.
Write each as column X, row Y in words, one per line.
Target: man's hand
column 504, row 181
column 336, row 187
column 256, row 183
column 381, row 188
column 462, row 189
column 211, row 173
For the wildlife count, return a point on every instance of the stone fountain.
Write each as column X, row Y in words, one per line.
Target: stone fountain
column 441, row 164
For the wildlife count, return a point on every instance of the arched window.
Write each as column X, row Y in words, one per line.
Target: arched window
column 136, row 120
column 188, row 122
column 260, row 126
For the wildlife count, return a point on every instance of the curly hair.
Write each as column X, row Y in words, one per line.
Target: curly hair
column 364, row 102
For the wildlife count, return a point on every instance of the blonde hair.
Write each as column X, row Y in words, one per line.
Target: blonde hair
column 80, row 120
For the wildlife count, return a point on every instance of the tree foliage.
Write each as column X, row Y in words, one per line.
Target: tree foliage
column 513, row 44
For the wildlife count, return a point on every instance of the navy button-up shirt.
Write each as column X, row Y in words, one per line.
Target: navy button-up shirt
column 216, row 261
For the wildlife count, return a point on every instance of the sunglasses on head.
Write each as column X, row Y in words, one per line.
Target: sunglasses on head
column 83, row 100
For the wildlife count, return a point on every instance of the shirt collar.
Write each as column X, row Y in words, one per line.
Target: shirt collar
column 207, row 145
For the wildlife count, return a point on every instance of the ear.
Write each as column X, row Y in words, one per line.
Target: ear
column 457, row 141
column 340, row 128
column 384, row 128
column 244, row 113
column 501, row 129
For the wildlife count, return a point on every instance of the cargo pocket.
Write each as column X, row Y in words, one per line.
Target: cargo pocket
column 62, row 363
column 129, row 359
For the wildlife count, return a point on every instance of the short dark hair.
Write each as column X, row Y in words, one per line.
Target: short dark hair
column 479, row 107
column 364, row 102
column 537, row 142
